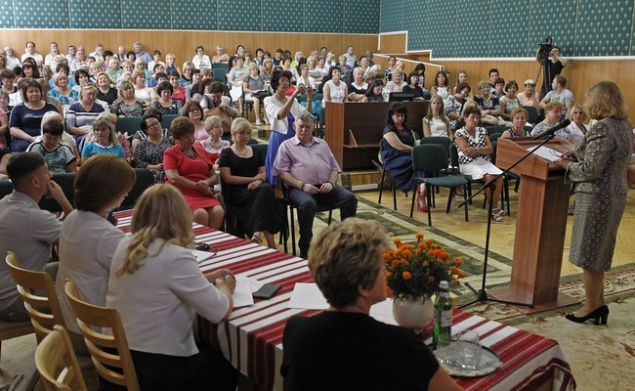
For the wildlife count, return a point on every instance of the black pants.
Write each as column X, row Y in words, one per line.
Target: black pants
column 207, row 370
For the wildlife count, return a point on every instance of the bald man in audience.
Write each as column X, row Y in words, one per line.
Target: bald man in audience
column 25, row 229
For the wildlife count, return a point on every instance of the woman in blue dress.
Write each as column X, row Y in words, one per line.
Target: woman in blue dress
column 282, row 111
column 396, row 149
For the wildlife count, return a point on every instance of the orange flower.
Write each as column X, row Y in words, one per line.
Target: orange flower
column 427, row 243
column 426, row 264
column 388, row 274
column 419, row 236
column 458, row 261
column 407, row 253
column 418, row 252
column 395, row 263
column 387, row 256
column 404, row 262
column 431, row 279
column 397, row 242
column 406, row 275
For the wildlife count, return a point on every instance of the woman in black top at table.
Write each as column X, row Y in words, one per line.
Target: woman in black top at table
column 355, row 351
column 413, row 87
column 373, row 94
column 247, row 194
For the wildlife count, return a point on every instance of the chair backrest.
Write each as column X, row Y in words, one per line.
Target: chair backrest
column 444, row 141
column 454, row 155
column 261, row 147
column 534, row 117
column 493, row 138
column 6, row 188
column 145, row 179
column 45, row 311
column 108, row 351
column 219, row 73
column 57, row 364
column 166, row 120
column 492, row 129
column 429, row 157
column 128, row 125
column 66, row 181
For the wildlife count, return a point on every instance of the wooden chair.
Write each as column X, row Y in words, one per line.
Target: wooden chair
column 39, row 296
column 57, row 364
column 108, row 351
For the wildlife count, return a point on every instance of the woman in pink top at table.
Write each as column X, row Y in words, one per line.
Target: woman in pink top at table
column 188, row 167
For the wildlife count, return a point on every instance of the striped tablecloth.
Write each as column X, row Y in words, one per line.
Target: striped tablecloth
column 252, row 337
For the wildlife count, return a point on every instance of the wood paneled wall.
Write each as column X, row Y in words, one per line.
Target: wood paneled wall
column 183, row 43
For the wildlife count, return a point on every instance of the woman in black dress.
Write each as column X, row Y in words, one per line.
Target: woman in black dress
column 248, row 196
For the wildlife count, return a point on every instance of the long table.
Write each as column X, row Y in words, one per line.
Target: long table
column 252, row 337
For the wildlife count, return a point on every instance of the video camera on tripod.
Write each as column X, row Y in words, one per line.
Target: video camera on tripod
column 545, row 49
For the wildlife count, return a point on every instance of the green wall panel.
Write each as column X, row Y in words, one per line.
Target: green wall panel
column 146, row 14
column 603, row 28
column 82, row 14
column 325, row 16
column 194, row 15
column 37, row 14
column 282, row 15
column 240, row 15
column 503, row 28
column 6, row 14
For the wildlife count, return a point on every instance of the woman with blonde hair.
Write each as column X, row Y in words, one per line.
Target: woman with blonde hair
column 127, row 105
column 214, row 144
column 598, row 171
column 158, row 288
column 104, row 140
column 577, row 128
column 88, row 240
column 245, row 188
column 435, row 123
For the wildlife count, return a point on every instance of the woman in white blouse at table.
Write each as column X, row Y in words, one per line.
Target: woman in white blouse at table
column 577, row 128
column 158, row 288
column 435, row 123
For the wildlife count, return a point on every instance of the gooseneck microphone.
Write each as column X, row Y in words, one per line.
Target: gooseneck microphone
column 550, row 132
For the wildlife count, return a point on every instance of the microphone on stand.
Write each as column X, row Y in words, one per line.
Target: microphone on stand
column 550, row 132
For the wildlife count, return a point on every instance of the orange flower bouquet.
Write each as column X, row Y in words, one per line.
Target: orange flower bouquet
column 414, row 272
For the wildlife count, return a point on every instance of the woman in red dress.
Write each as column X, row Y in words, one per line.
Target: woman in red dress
column 189, row 168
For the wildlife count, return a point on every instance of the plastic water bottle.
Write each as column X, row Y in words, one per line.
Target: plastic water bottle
column 442, row 317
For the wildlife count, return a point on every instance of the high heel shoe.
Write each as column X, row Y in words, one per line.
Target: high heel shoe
column 599, row 314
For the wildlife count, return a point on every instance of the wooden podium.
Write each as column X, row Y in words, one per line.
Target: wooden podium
column 540, row 227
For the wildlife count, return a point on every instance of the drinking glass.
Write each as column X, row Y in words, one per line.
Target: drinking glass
column 468, row 350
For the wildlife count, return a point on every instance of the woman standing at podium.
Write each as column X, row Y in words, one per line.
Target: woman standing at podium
column 598, row 171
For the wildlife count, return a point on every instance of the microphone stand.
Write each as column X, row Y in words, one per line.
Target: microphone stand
column 481, row 294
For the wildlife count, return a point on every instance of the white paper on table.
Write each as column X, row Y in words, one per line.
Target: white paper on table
column 242, row 294
column 202, row 256
column 382, row 312
column 546, row 153
column 254, row 284
column 307, row 296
